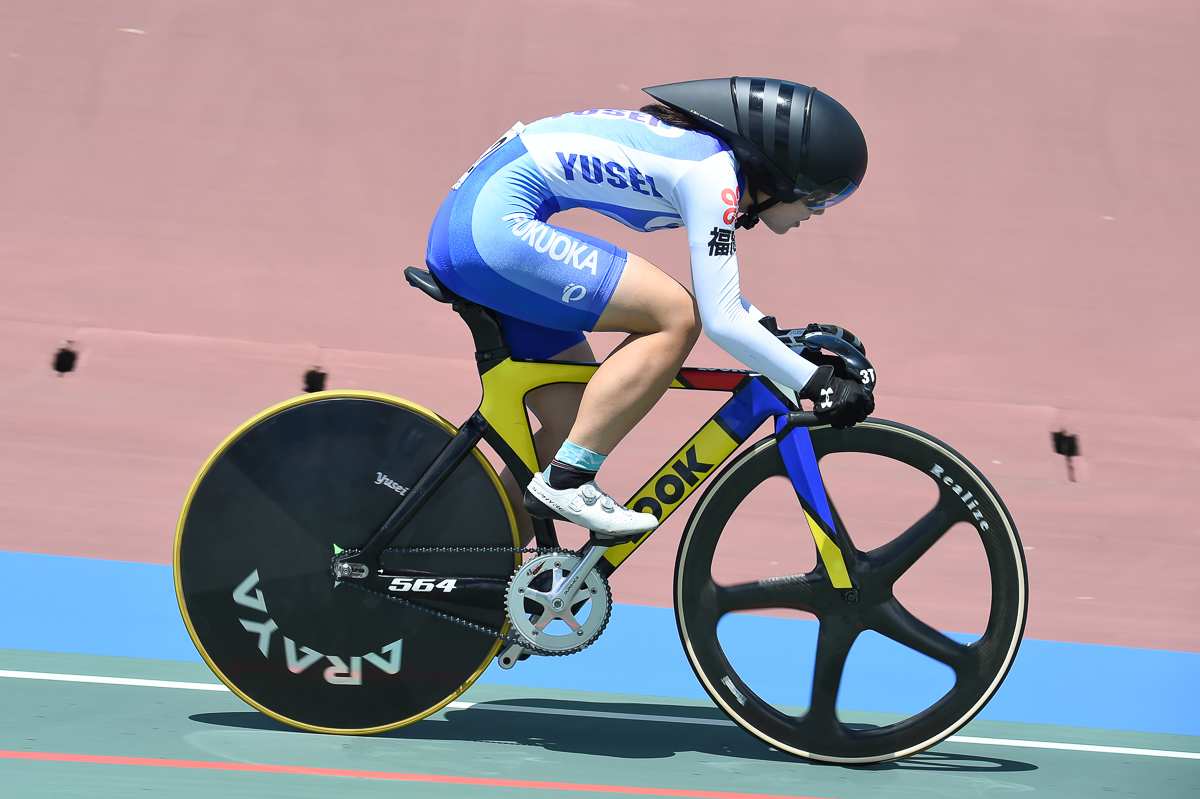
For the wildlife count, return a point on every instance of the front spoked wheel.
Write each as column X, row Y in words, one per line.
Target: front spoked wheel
column 719, row 581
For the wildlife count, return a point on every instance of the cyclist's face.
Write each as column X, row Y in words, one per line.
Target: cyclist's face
column 783, row 217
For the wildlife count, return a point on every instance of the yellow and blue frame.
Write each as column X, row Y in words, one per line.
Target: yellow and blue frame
column 506, row 381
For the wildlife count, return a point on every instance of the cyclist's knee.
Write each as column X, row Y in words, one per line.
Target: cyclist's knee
column 649, row 301
column 679, row 316
column 693, row 326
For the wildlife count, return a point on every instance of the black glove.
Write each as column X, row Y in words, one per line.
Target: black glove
column 838, row 401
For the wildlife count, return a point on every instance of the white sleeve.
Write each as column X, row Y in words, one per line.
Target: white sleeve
column 702, row 197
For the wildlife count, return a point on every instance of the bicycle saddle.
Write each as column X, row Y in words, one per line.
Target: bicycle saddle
column 490, row 344
column 426, row 282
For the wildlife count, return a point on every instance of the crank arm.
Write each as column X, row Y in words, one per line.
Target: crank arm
column 511, row 654
column 564, row 592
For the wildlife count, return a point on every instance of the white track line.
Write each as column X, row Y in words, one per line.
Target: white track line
column 549, row 711
column 591, row 714
column 37, row 675
column 1108, row 750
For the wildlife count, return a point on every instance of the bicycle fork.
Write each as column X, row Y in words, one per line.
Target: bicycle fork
column 800, row 460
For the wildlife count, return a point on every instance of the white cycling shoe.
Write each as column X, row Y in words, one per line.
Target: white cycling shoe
column 588, row 507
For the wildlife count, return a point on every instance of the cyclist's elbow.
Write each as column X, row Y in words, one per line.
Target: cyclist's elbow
column 721, row 331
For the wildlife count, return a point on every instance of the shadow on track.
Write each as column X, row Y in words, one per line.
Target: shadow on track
column 606, row 737
column 949, row 761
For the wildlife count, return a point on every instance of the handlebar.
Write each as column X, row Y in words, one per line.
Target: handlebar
column 803, row 419
column 827, row 345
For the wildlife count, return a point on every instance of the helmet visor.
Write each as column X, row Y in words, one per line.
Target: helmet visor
column 818, row 199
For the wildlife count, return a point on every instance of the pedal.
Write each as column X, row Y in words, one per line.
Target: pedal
column 509, row 657
column 606, row 541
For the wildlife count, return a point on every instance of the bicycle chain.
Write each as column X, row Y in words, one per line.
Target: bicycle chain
column 481, row 628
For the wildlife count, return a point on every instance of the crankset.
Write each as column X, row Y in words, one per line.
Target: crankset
column 559, row 602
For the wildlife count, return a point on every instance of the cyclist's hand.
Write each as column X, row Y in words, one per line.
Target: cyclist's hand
column 841, row 402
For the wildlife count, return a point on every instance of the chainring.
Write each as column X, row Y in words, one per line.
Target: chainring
column 554, row 624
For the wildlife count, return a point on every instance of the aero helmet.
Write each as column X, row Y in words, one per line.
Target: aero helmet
column 794, row 142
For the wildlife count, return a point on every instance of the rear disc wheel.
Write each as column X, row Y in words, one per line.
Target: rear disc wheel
column 253, row 554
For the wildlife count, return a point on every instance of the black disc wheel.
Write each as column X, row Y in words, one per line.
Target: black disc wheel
column 253, row 551
column 729, row 574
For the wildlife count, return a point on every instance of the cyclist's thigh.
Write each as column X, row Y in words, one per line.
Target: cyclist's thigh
column 648, row 300
column 541, row 343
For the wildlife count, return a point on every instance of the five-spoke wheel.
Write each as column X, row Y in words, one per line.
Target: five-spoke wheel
column 720, row 580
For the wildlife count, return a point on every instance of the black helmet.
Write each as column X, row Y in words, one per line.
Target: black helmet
column 818, row 156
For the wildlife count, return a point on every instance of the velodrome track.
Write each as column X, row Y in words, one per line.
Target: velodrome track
column 208, row 199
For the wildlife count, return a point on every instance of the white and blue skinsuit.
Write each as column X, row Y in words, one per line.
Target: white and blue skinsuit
column 490, row 242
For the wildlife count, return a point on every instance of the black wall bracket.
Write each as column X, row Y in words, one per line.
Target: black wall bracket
column 314, row 380
column 1067, row 445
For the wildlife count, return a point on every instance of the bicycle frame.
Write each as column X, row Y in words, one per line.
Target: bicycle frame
column 754, row 400
column 502, row 420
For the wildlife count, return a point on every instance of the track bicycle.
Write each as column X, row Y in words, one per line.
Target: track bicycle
column 348, row 562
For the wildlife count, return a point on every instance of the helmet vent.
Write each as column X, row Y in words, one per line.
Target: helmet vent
column 808, row 101
column 783, row 121
column 757, row 87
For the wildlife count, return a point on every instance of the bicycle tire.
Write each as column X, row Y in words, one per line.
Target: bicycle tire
column 818, row 734
column 255, row 542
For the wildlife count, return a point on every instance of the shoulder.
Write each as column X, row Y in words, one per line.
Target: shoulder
column 719, row 170
column 633, row 129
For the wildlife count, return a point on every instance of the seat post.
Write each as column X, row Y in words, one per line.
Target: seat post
column 491, row 347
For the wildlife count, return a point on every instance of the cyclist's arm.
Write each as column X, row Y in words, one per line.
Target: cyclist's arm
column 729, row 320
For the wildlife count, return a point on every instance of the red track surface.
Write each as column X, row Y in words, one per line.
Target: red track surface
column 209, row 198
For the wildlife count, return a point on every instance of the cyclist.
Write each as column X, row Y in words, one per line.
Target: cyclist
column 711, row 155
